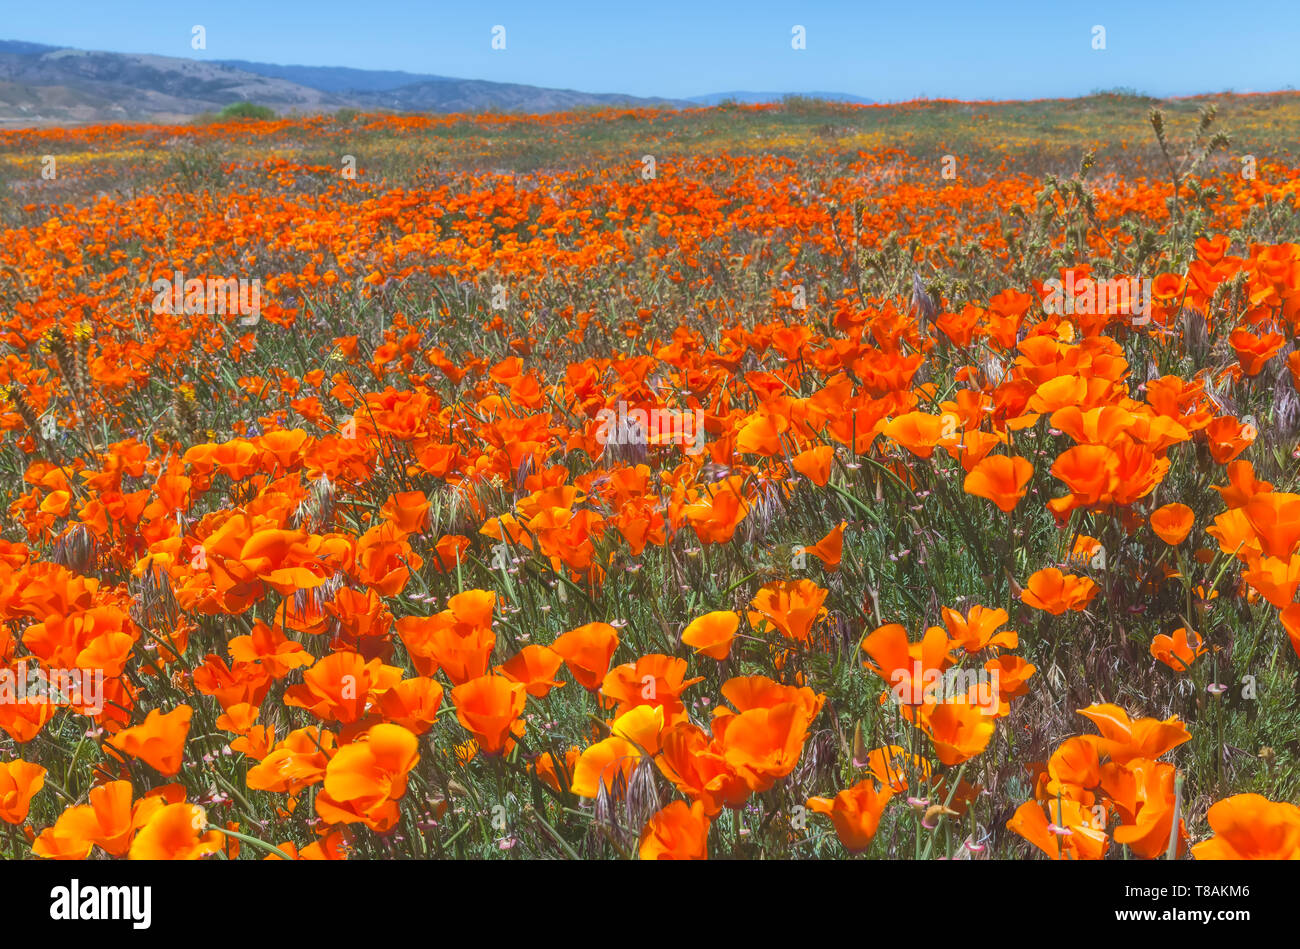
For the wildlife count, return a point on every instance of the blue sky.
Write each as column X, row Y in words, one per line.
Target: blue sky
column 888, row 51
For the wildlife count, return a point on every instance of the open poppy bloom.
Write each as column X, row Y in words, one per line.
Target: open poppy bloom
column 791, row 606
column 679, row 831
column 1003, row 480
column 979, row 629
column 173, row 832
column 1179, row 649
column 1251, row 827
column 488, row 708
column 534, row 667
column 1064, row 831
column 855, row 812
column 655, row 680
column 1055, row 592
column 1124, row 739
column 1172, row 523
column 19, row 783
column 763, row 739
column 159, row 741
column 586, row 652
column 108, row 821
column 912, row 670
column 364, row 780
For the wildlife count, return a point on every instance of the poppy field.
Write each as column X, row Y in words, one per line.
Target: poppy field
column 805, row 481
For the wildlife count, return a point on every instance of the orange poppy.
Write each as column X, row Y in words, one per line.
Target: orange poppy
column 1172, row 523
column 1055, row 592
column 488, row 708
column 712, row 634
column 855, row 812
column 159, row 741
column 1003, row 480
column 19, row 782
column 173, row 833
column 587, row 651
column 1251, row 827
column 1179, row 649
column 679, row 831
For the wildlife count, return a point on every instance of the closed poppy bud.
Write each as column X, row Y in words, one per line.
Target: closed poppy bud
column 712, row 633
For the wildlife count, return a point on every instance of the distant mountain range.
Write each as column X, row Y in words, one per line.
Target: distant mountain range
column 50, row 85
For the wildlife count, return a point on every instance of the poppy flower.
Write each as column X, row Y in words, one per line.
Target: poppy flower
column 694, row 762
column 554, row 774
column 159, row 741
column 1290, row 618
column 892, row 765
column 364, row 780
column 762, row 743
column 1124, row 739
column 1055, row 592
column 1251, row 827
column 173, row 833
column 609, row 762
column 412, row 703
column 19, row 783
column 534, row 666
column 338, row 687
column 1179, row 649
column 711, row 634
column 654, row 680
column 855, row 812
column 586, row 652
column 679, row 831
column 1065, row 831
column 293, row 764
column 959, row 730
column 815, row 464
column 979, row 629
column 790, row 606
column 1172, row 523
column 1276, row 579
column 830, row 548
column 1003, row 480
column 1142, row 792
column 918, row 432
column 488, row 708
